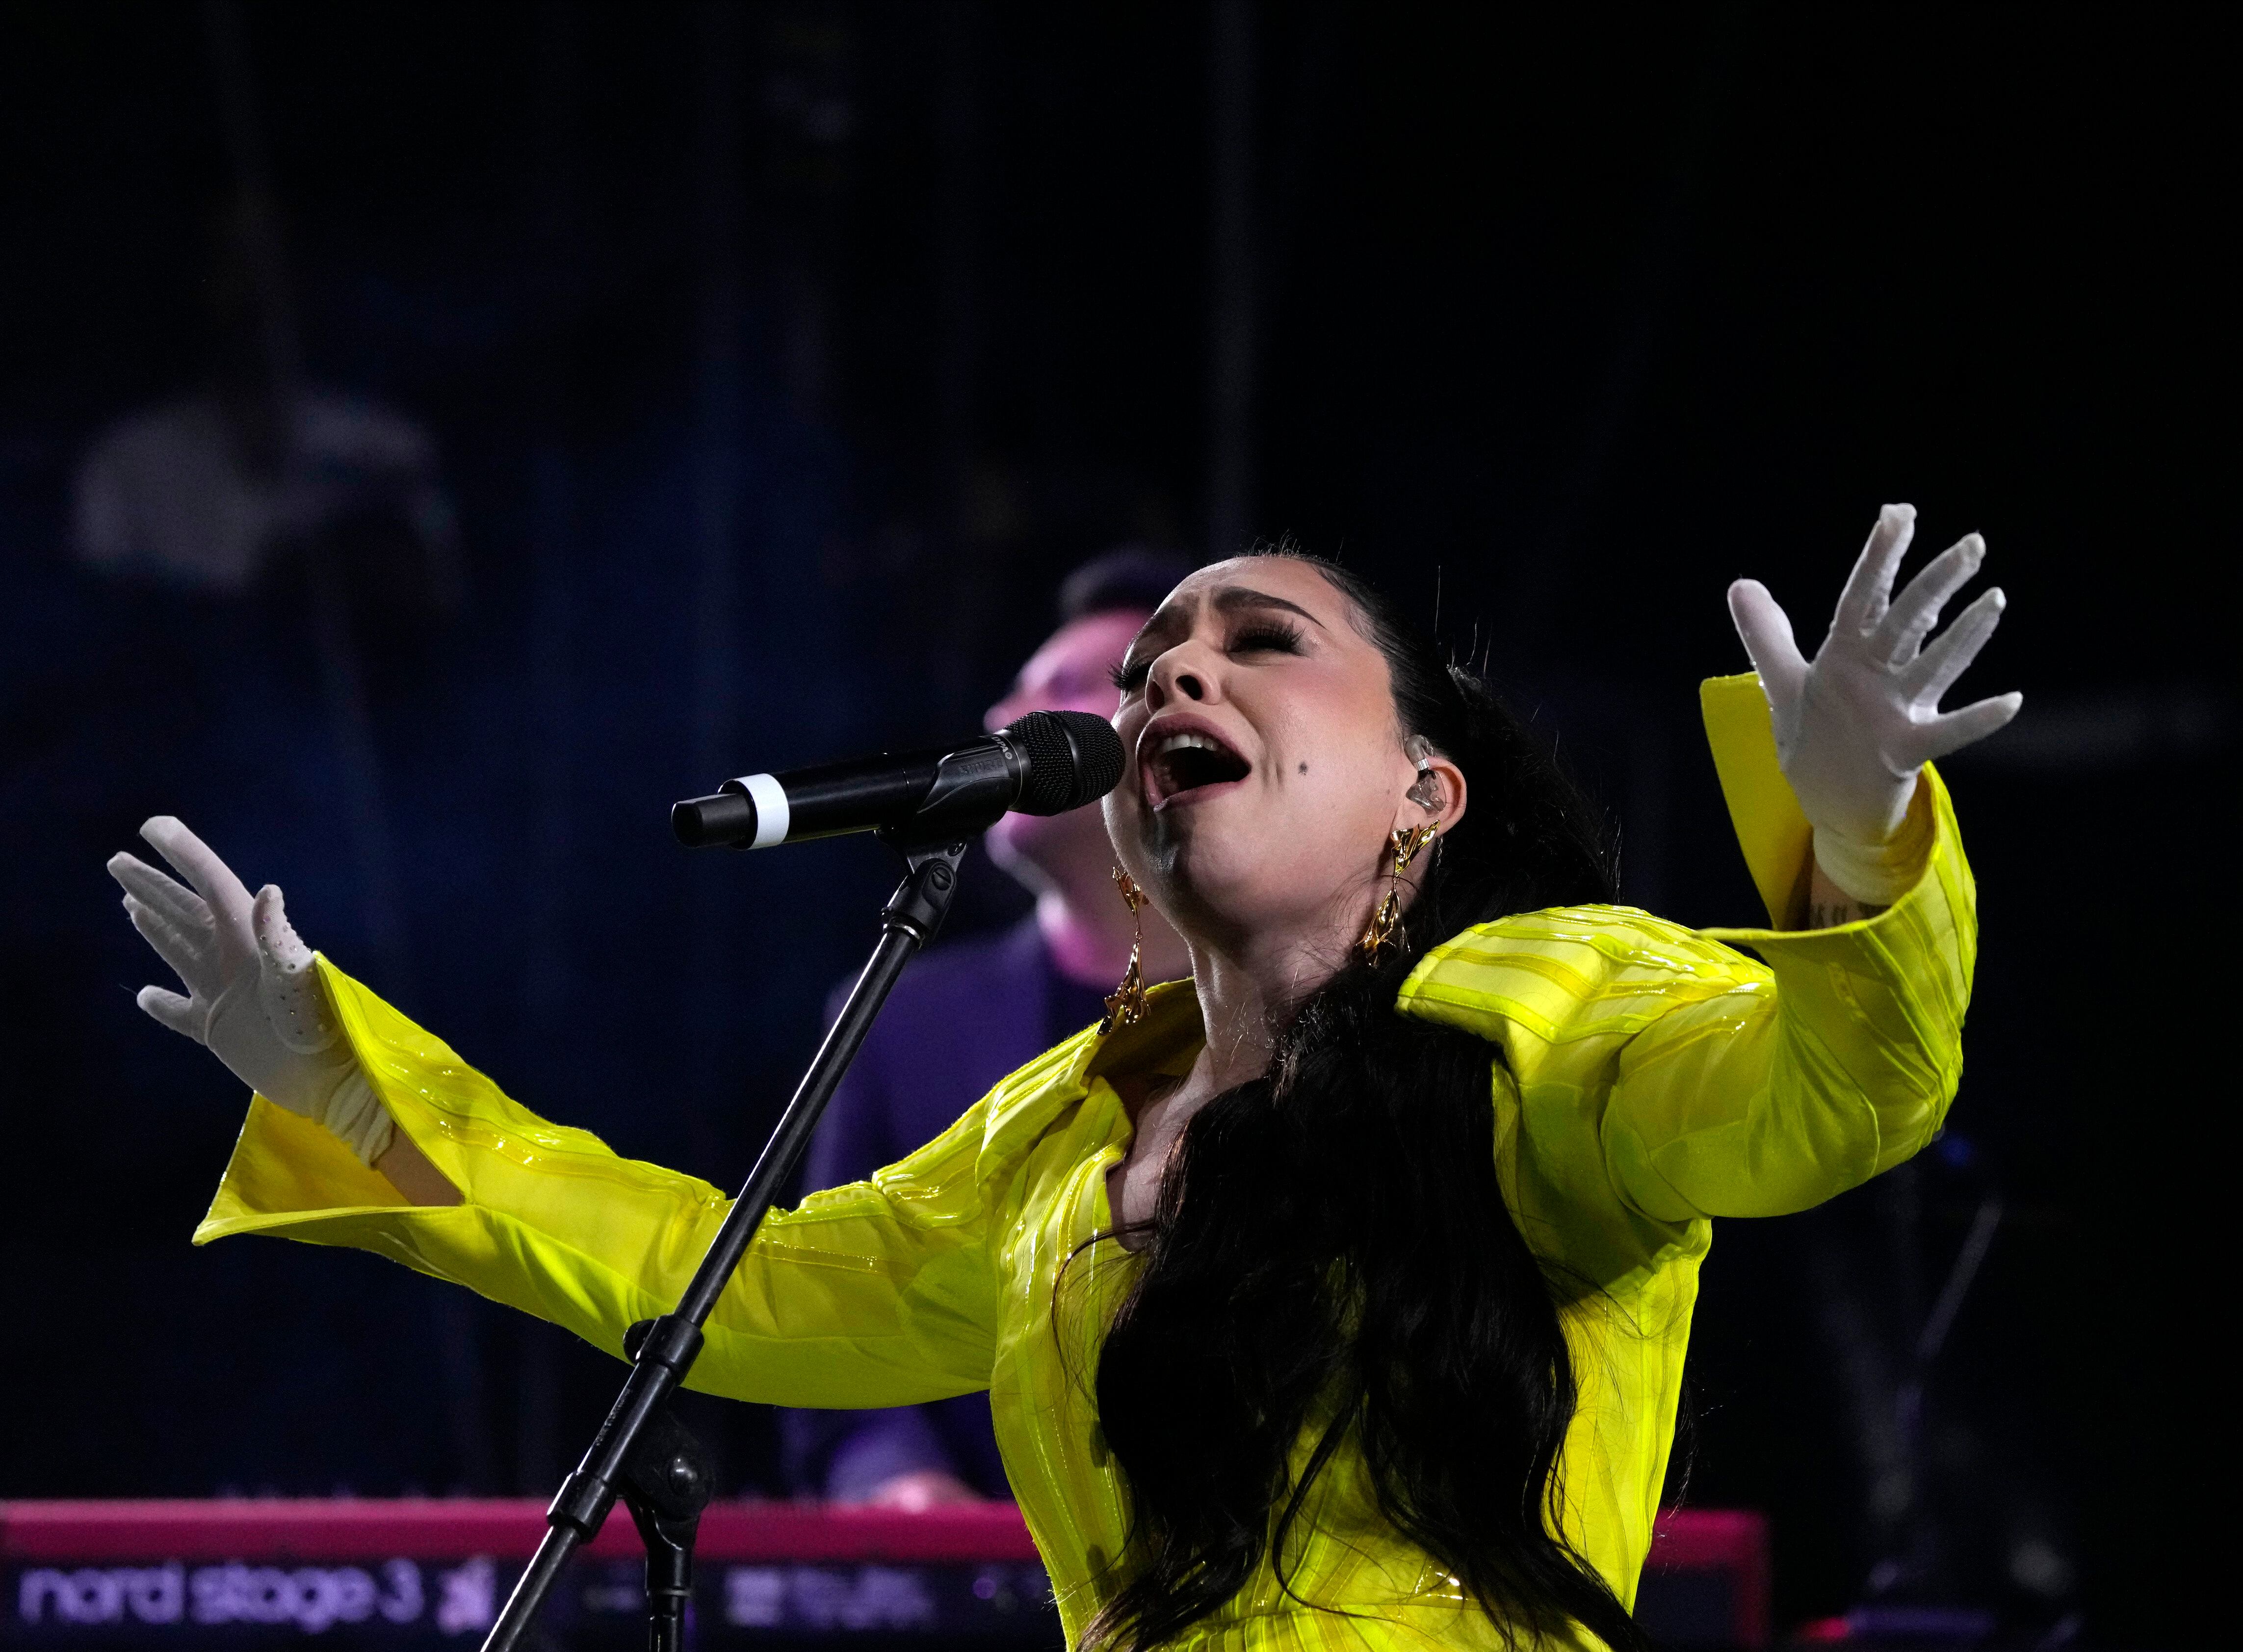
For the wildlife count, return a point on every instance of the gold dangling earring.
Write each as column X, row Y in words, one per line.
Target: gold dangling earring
column 1404, row 845
column 1127, row 1006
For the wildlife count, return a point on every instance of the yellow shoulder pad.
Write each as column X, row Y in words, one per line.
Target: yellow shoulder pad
column 1571, row 973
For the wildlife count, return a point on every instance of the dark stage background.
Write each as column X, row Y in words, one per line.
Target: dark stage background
column 776, row 362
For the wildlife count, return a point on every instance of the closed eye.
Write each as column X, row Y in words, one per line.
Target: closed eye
column 1266, row 636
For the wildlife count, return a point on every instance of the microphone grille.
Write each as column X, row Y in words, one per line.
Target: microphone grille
column 1074, row 759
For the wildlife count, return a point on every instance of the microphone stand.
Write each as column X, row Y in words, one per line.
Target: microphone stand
column 642, row 1454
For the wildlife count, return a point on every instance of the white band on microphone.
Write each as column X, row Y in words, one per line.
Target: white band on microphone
column 772, row 813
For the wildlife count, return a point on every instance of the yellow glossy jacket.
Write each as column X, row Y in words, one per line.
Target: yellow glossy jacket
column 1651, row 1078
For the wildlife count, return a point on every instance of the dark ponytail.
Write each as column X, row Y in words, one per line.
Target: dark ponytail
column 1331, row 1243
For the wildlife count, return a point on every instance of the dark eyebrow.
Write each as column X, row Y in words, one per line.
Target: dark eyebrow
column 1172, row 618
column 1232, row 598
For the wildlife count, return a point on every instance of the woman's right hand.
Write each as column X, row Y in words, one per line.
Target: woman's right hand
column 254, row 997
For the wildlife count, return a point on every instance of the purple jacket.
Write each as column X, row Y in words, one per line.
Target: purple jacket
column 960, row 1019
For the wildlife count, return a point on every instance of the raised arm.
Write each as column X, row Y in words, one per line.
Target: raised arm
column 366, row 1131
column 1657, row 1076
column 1841, row 1061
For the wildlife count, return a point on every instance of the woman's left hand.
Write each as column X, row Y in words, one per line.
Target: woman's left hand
column 1854, row 725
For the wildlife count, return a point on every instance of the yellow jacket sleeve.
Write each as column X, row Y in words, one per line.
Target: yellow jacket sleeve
column 1836, row 1062
column 875, row 1294
column 1653, row 1075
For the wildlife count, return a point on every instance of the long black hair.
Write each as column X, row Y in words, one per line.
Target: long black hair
column 1330, row 1256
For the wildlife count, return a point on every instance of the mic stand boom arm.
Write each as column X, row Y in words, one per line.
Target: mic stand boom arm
column 671, row 1343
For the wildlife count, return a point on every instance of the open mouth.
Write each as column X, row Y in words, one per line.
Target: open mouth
column 1190, row 760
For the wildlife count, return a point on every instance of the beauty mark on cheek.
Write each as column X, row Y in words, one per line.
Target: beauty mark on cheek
column 1304, row 768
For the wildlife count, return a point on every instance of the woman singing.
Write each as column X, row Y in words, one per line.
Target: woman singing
column 1337, row 1296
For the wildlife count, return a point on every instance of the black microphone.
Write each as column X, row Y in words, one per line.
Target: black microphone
column 1047, row 763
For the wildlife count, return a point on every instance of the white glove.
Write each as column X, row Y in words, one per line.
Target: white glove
column 254, row 997
column 1854, row 727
